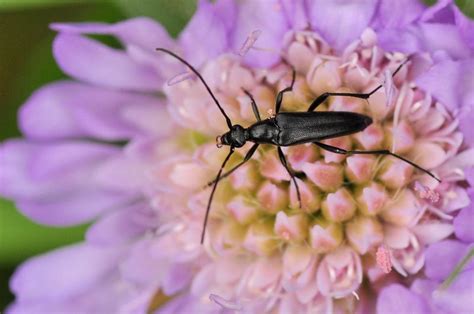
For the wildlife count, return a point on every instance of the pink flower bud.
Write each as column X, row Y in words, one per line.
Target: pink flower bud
column 339, row 273
column 242, row 210
column 328, row 177
column 272, row 197
column 343, row 142
column 371, row 199
column 325, row 237
column 403, row 210
column 360, row 168
column 298, row 155
column 372, row 137
column 403, row 137
column 245, row 178
column 260, row 238
column 291, row 228
column 271, row 168
column 323, row 77
column 364, row 233
column 339, row 206
column 310, row 197
column 395, row 172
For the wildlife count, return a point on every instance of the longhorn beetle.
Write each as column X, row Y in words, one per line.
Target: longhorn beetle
column 291, row 128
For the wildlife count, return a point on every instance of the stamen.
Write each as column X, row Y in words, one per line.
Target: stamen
column 178, row 78
column 426, row 193
column 249, row 42
column 383, row 259
column 356, row 295
column 389, row 87
column 225, row 304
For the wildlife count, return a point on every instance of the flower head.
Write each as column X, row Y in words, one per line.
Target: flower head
column 264, row 251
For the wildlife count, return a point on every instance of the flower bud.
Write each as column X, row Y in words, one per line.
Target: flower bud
column 339, row 206
column 364, row 233
column 403, row 210
column 310, row 197
column 272, row 197
column 326, row 236
column 395, row 172
column 372, row 137
column 339, row 273
column 360, row 168
column 291, row 228
column 328, row 177
column 371, row 199
column 260, row 238
column 242, row 210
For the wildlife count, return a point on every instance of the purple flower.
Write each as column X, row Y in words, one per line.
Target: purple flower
column 262, row 251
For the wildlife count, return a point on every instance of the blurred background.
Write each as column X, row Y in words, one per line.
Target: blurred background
column 26, row 63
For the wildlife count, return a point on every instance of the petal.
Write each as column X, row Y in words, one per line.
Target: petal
column 442, row 257
column 74, row 208
column 428, row 37
column 55, row 184
column 49, row 276
column 458, row 297
column 450, row 82
column 121, row 226
column 341, row 22
column 296, row 13
column 465, row 26
column 70, row 109
column 32, row 170
column 268, row 17
column 140, row 31
column 209, row 25
column 465, row 123
column 92, row 62
column 398, row 299
column 393, row 14
column 463, row 222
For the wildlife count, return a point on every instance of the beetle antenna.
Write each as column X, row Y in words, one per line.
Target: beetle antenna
column 227, row 119
column 212, row 194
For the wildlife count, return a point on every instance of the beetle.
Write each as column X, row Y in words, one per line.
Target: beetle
column 291, row 128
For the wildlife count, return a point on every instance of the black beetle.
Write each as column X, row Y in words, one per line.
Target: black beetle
column 291, row 128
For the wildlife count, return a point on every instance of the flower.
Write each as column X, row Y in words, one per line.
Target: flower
column 263, row 252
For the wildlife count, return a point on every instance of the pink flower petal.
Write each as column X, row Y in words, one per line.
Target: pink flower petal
column 341, row 22
column 91, row 62
column 54, row 279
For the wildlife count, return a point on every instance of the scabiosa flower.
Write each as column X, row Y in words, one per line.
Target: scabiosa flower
column 367, row 226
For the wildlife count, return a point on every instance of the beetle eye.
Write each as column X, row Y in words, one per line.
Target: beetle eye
column 219, row 141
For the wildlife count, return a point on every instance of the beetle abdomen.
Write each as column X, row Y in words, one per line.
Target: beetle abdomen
column 306, row 127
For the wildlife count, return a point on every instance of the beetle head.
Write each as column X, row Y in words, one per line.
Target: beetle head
column 236, row 137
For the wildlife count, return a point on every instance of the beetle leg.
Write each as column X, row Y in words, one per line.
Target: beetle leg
column 254, row 105
column 288, row 89
column 292, row 175
column 246, row 158
column 337, row 150
column 321, row 98
column 212, row 194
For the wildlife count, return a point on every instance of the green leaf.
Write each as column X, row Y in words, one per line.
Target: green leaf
column 21, row 238
column 467, row 7
column 171, row 14
column 26, row 4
